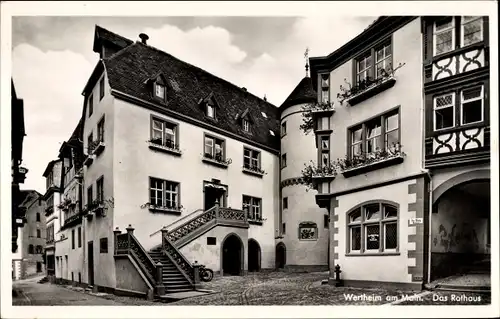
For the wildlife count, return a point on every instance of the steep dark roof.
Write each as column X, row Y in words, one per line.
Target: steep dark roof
column 303, row 93
column 130, row 69
column 105, row 36
column 74, row 142
column 27, row 196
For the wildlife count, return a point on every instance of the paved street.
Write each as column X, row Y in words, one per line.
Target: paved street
column 275, row 288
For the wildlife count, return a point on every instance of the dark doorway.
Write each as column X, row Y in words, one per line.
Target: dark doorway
column 38, row 266
column 280, row 255
column 213, row 195
column 232, row 256
column 91, row 262
column 253, row 256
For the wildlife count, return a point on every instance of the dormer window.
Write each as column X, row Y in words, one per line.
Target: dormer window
column 159, row 91
column 210, row 110
column 246, row 125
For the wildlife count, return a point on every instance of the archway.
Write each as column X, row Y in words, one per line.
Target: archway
column 232, row 255
column 461, row 233
column 253, row 255
column 280, row 255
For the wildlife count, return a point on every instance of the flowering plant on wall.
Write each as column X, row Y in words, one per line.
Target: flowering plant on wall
column 364, row 159
column 312, row 171
column 307, row 114
column 350, row 90
column 168, row 206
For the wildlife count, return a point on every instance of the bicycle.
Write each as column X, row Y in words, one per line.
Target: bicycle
column 206, row 274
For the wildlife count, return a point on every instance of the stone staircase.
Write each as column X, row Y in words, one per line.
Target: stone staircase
column 173, row 280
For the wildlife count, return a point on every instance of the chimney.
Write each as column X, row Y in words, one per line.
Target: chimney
column 144, row 37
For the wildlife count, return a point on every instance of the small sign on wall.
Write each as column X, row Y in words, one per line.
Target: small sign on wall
column 415, row 221
column 211, row 241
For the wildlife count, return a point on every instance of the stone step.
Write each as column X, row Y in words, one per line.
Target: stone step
column 169, row 281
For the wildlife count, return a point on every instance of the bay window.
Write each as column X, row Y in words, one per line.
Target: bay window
column 450, row 33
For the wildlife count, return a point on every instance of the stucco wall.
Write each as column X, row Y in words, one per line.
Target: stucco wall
column 406, row 93
column 458, row 226
column 390, row 268
column 132, row 124
column 127, row 276
column 210, row 255
column 301, row 203
column 443, row 175
column 101, row 227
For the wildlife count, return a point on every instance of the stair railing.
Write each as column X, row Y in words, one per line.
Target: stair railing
column 190, row 271
column 193, row 224
column 127, row 244
column 176, row 222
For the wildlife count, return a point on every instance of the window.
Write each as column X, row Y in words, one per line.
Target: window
column 283, row 160
column 472, row 105
column 252, row 206
column 100, row 189
column 164, row 193
column 325, row 150
column 38, row 233
column 90, row 141
column 251, row 158
column 214, row 148
column 283, row 129
column 308, row 231
column 326, row 221
column 370, row 137
column 383, row 60
column 50, row 201
column 363, row 67
column 100, row 130
column 79, row 277
column 444, row 111
column 246, row 125
column 37, row 217
column 72, row 239
column 444, row 35
column 39, row 249
column 79, row 237
column 103, row 245
column 90, row 197
column 31, row 249
column 210, row 109
column 472, row 30
column 38, row 266
column 72, row 276
column 211, row 241
column 50, row 233
column 325, row 96
column 284, row 228
column 90, row 103
column 371, row 65
column 373, row 228
column 101, row 88
column 164, row 133
column 285, row 203
column 159, row 91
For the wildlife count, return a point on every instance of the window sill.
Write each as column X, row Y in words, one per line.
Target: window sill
column 371, row 91
column 327, row 177
column 164, row 210
column 99, row 149
column 164, row 149
column 255, row 222
column 252, row 172
column 312, row 239
column 89, row 160
column 215, row 163
column 323, row 131
column 322, row 112
column 396, row 253
column 372, row 166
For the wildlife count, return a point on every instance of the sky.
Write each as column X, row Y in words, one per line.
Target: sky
column 52, row 59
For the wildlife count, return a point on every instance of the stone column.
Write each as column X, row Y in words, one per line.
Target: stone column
column 116, row 232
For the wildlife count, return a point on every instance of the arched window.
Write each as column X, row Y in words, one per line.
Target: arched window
column 308, row 231
column 373, row 228
column 31, row 249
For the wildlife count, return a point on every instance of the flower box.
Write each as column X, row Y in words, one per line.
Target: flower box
column 216, row 160
column 256, row 171
column 361, row 169
column 89, row 160
column 370, row 91
column 158, row 145
column 177, row 210
column 98, row 148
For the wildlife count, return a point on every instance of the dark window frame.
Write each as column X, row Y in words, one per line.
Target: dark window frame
column 79, row 237
column 164, row 124
column 99, row 188
column 73, row 239
column 251, row 203
column 285, row 202
column 164, row 183
column 251, row 158
column 101, row 129
column 372, row 53
column 215, row 141
column 102, row 87
column 90, row 104
column 103, row 245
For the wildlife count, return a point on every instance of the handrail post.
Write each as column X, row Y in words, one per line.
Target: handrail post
column 164, row 233
column 130, row 232
column 160, row 288
column 216, row 209
column 116, row 232
column 196, row 274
